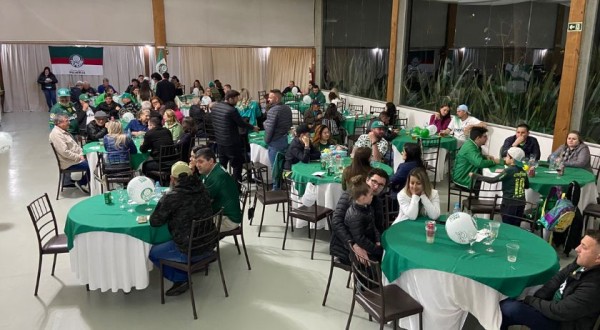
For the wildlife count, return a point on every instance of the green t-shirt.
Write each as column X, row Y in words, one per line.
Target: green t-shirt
column 224, row 193
column 514, row 182
column 69, row 111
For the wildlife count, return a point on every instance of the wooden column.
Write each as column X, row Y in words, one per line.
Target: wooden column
column 451, row 25
column 392, row 53
column 568, row 80
column 160, row 31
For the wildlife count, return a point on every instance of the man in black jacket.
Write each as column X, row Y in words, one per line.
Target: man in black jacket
column 301, row 149
column 226, row 121
column 522, row 140
column 188, row 200
column 277, row 126
column 109, row 106
column 340, row 235
column 96, row 129
column 156, row 137
column 568, row 301
column 165, row 89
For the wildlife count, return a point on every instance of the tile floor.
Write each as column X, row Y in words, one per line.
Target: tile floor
column 283, row 290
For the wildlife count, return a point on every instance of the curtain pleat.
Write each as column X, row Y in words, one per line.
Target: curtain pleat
column 287, row 64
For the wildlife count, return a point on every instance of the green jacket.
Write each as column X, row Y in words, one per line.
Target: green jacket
column 469, row 159
column 69, row 110
column 319, row 97
column 224, row 193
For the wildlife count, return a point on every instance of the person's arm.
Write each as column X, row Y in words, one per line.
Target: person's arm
column 581, row 158
column 432, row 206
column 270, row 124
column 41, row 79
column 478, row 160
column 546, row 292
column 489, row 179
column 146, row 144
column 132, row 147
column 237, row 119
column 60, row 145
column 161, row 213
column 398, row 180
column 53, row 78
column 506, row 145
column 409, row 205
column 355, row 226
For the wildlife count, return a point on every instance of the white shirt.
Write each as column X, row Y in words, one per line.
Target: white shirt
column 409, row 206
column 365, row 141
column 206, row 100
column 457, row 127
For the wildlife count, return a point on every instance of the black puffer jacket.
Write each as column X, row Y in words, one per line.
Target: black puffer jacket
column 129, row 107
column 112, row 109
column 156, row 138
column 226, row 120
column 360, row 223
column 298, row 153
column 187, row 201
column 95, row 132
column 278, row 123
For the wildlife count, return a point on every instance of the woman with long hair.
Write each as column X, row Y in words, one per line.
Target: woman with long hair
column 411, row 153
column 322, row 138
column 418, row 198
column 145, row 91
column 333, row 119
column 178, row 86
column 48, row 81
column 118, row 145
column 361, row 165
column 197, row 88
column 390, row 109
column 172, row 124
column 441, row 118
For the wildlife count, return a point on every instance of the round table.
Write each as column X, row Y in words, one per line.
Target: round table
column 352, row 122
column 447, row 279
column 108, row 248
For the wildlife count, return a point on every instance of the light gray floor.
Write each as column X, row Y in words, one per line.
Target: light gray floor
column 283, row 290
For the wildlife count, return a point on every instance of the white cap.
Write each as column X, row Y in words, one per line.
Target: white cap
column 516, row 153
column 463, row 107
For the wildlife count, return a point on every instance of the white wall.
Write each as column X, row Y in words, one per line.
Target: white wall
column 240, row 22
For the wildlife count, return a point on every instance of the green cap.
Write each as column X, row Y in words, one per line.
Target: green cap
column 377, row 124
column 84, row 97
column 63, row 92
column 126, row 96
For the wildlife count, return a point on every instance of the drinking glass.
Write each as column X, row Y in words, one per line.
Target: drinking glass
column 472, row 237
column 131, row 206
column 147, row 199
column 493, row 228
column 512, row 251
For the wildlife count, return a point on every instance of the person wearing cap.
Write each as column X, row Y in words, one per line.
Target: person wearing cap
column 109, row 106
column 374, row 140
column 389, row 132
column 96, row 130
column 69, row 152
column 128, row 105
column 461, row 124
column 187, row 200
column 84, row 111
column 300, row 149
column 316, row 94
column 469, row 158
column 313, row 115
column 65, row 107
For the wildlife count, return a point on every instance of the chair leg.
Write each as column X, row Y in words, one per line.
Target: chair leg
column 254, row 204
column 349, row 277
column 245, row 251
column 53, row 264
column 286, row 230
column 381, row 324
column 191, row 284
column 262, row 218
column 312, row 253
column 162, row 285
column 222, row 276
column 37, row 281
column 236, row 244
column 328, row 283
column 420, row 321
column 351, row 312
column 59, row 187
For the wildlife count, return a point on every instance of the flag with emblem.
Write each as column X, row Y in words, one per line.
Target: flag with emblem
column 161, row 62
column 77, row 60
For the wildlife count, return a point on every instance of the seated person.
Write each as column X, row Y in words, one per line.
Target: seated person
column 361, row 165
column 470, row 159
column 128, row 105
column 65, row 107
column 411, row 154
column 441, row 118
column 187, row 200
column 313, row 115
column 333, row 120
column 198, row 114
column 418, row 198
column 322, row 138
column 221, row 186
column 389, row 132
column 172, row 124
column 187, row 138
column 569, row 300
column 105, row 87
column 87, row 89
column 70, row 154
column 374, row 139
column 76, row 92
column 109, row 106
column 300, row 149
column 574, row 153
column 460, row 125
column 289, row 87
column 96, row 129
column 118, row 145
column 156, row 137
column 522, row 140
column 170, row 105
column 360, row 220
column 85, row 112
column 139, row 126
column 316, row 94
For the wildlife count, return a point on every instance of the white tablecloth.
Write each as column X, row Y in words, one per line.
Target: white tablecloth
column 94, row 186
column 259, row 154
column 328, row 195
column 441, row 165
column 110, row 261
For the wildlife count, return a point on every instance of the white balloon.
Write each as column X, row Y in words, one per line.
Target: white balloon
column 460, row 226
column 306, row 99
column 6, row 142
column 76, row 176
column 140, row 187
column 295, row 90
column 432, row 130
column 127, row 117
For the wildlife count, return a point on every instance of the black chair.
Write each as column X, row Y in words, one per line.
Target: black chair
column 430, row 151
column 482, row 198
column 453, row 188
column 49, row 240
column 530, row 215
column 593, row 211
column 115, row 168
column 358, row 131
column 296, row 210
column 297, row 117
column 336, row 263
column 204, row 235
column 168, row 156
column 400, row 123
column 390, row 208
column 264, row 193
column 595, row 163
column 62, row 173
column 239, row 231
column 376, row 110
column 383, row 303
column 355, row 109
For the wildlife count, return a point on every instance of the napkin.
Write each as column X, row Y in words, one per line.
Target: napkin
column 319, row 173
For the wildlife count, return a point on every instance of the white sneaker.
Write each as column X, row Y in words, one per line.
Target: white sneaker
column 81, row 188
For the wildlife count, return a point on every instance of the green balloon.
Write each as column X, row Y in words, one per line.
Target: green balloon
column 417, row 131
column 424, row 133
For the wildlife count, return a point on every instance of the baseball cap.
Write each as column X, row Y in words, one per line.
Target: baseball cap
column 463, row 107
column 516, row 153
column 180, row 168
column 84, row 97
column 377, row 124
column 126, row 96
column 100, row 114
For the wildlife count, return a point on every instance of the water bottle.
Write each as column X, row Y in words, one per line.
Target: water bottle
column 129, row 133
column 339, row 164
column 456, row 208
column 157, row 188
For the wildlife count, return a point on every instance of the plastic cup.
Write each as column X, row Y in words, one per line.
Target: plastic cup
column 512, row 251
column 430, row 231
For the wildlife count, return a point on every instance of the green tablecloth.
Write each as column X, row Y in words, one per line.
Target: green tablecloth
column 300, row 106
column 136, row 159
column 352, row 122
column 447, row 142
column 303, row 172
column 259, row 138
column 405, row 249
column 92, row 214
column 542, row 182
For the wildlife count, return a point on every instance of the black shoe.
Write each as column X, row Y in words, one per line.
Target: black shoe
column 177, row 289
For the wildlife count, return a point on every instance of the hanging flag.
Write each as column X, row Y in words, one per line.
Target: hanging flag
column 161, row 62
column 76, row 60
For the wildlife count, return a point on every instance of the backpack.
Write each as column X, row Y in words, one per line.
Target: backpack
column 558, row 212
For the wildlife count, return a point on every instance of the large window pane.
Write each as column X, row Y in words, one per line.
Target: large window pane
column 590, row 121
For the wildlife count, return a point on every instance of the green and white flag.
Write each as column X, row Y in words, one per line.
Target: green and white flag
column 161, row 62
column 77, row 60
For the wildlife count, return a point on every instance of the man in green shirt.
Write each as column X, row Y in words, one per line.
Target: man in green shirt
column 65, row 107
column 316, row 94
column 221, row 186
column 470, row 159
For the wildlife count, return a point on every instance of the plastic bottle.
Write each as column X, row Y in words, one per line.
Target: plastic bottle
column 157, row 188
column 456, row 208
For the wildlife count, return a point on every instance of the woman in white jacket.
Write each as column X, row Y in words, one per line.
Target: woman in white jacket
column 418, row 198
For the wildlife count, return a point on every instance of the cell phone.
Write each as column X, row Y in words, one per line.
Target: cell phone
column 142, row 219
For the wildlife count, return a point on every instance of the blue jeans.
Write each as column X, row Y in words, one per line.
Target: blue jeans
column 516, row 312
column 81, row 166
column 170, row 251
column 275, row 146
column 50, row 95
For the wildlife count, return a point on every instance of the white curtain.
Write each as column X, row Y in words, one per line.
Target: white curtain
column 22, row 63
column 285, row 64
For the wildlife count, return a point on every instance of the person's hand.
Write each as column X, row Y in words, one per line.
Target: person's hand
column 118, row 107
column 378, row 243
column 372, row 137
column 445, row 132
column 437, row 115
column 519, row 140
column 396, row 130
column 414, row 192
column 306, row 140
column 319, row 116
column 361, row 253
column 82, row 158
column 256, row 128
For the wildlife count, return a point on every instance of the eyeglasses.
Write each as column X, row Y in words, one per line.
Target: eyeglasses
column 377, row 182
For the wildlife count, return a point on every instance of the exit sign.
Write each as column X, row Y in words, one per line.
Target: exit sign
column 574, row 26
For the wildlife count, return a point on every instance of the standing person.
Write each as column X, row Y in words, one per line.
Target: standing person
column 333, row 120
column 360, row 165
column 70, row 154
column 574, row 153
column 145, row 91
column 522, row 140
column 165, row 89
column 360, row 220
column 418, row 198
column 187, row 200
column 514, row 182
column 226, row 121
column 411, row 154
column 470, row 159
column 441, row 118
column 277, row 125
column 65, row 107
column 461, row 125
column 248, row 108
column 155, row 79
column 48, row 81
column 300, row 150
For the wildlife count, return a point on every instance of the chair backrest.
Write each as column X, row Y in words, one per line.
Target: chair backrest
column 43, row 219
column 376, row 110
column 261, row 177
column 297, row 118
column 296, row 191
column 430, row 152
column 355, row 109
column 595, row 162
column 244, row 195
column 55, row 155
column 168, row 156
column 116, row 160
column 489, row 190
column 367, row 281
column 204, row 235
column 390, row 209
column 400, row 123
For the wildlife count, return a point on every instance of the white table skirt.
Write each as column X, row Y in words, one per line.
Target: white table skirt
column 110, row 261
column 94, row 186
column 441, row 165
column 447, row 299
column 328, row 195
column 259, row 154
